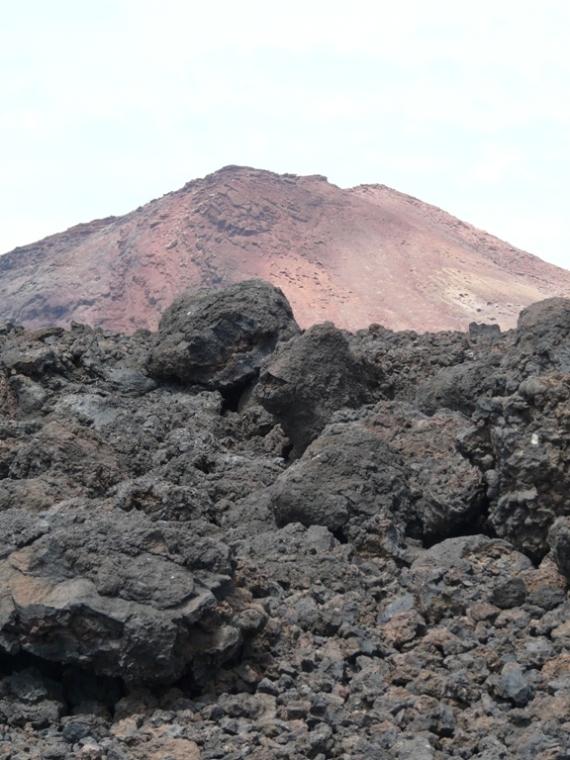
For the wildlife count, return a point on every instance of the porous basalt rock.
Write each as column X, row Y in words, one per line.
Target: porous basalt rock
column 387, row 460
column 543, row 336
column 361, row 554
column 117, row 594
column 218, row 339
column 529, row 445
column 312, row 376
column 446, row 490
column 348, row 476
column 559, row 540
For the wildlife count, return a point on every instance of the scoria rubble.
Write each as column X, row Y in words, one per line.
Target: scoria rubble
column 235, row 539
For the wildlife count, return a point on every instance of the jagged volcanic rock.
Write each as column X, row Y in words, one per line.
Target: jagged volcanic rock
column 559, row 540
column 354, row 256
column 310, row 377
column 392, row 466
column 219, row 339
column 315, row 545
column 115, row 593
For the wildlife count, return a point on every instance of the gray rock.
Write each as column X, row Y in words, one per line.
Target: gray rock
column 390, row 461
column 513, row 685
column 30, row 395
column 543, row 336
column 151, row 607
column 347, row 477
column 130, row 381
column 414, row 748
column 530, row 438
column 446, row 490
column 510, row 593
column 454, row 574
column 120, row 595
column 312, row 376
column 559, row 541
column 219, row 339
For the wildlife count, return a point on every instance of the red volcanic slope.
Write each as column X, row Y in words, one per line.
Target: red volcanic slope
column 353, row 256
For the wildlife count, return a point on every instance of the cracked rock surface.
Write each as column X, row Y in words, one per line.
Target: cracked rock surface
column 233, row 539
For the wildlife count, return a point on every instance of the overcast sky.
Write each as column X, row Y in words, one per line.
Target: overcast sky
column 105, row 104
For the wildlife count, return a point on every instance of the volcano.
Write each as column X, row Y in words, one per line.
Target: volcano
column 367, row 254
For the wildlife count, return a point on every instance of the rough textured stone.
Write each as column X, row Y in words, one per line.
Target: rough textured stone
column 513, row 685
column 311, row 377
column 219, row 339
column 543, row 336
column 393, row 461
column 530, row 444
column 176, row 582
column 559, row 540
column 120, row 595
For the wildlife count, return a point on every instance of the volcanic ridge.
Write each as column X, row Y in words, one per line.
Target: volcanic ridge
column 355, row 256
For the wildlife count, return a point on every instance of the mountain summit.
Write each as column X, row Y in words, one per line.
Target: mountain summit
column 353, row 256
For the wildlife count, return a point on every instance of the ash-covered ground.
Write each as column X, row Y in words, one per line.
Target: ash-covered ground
column 233, row 539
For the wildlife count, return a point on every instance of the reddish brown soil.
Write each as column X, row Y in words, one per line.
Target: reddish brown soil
column 356, row 256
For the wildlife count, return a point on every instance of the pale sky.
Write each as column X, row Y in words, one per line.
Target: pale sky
column 106, row 104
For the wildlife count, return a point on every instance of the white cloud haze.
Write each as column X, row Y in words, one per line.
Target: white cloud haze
column 466, row 105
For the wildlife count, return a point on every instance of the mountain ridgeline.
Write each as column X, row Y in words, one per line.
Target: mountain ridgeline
column 355, row 256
